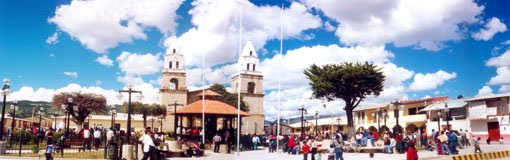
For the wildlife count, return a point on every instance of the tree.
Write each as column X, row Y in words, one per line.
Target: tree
column 227, row 97
column 145, row 110
column 85, row 102
column 347, row 81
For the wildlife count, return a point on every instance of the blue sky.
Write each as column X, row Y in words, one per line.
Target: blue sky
column 439, row 48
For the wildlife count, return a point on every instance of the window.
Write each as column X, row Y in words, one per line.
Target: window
column 419, row 109
column 170, row 65
column 177, row 65
column 173, row 50
column 248, row 66
column 253, row 67
column 251, row 88
column 251, row 53
column 412, row 111
column 363, row 117
column 174, row 84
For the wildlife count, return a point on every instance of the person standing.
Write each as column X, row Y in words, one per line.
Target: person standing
column 338, row 143
column 305, row 149
column 228, row 140
column 468, row 138
column 462, row 137
column 399, row 146
column 438, row 143
column 291, row 144
column 86, row 139
column 217, row 141
column 97, row 138
column 49, row 144
column 255, row 141
column 444, row 143
column 109, row 135
column 148, row 144
column 452, row 139
column 477, row 145
column 313, row 144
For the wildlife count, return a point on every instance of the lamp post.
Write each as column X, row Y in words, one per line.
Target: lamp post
column 316, row 124
column 447, row 112
column 175, row 117
column 338, row 121
column 397, row 112
column 303, row 111
column 113, row 111
column 379, row 118
column 129, row 91
column 40, row 112
column 161, row 123
column 14, row 107
column 5, row 91
column 68, row 108
column 384, row 114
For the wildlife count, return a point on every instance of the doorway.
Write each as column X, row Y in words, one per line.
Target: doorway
column 493, row 129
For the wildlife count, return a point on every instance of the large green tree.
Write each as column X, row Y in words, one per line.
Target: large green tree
column 227, row 97
column 347, row 81
column 86, row 103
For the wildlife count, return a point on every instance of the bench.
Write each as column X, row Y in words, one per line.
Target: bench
column 379, row 147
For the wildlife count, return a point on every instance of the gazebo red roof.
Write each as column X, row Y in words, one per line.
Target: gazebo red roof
column 212, row 106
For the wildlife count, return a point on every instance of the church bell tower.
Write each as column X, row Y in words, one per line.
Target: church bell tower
column 173, row 85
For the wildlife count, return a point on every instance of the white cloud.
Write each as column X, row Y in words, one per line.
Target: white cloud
column 98, row 82
column 425, row 24
column 502, row 60
column 491, row 28
column 44, row 94
column 507, row 42
column 329, row 27
column 485, row 90
column 216, row 28
column 127, row 79
column 53, row 39
column 104, row 60
column 502, row 76
column 504, row 89
column 71, row 74
column 100, row 25
column 430, row 81
column 139, row 64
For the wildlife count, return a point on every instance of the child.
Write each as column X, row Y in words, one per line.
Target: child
column 430, row 146
column 371, row 156
column 477, row 145
column 305, row 149
column 331, row 152
column 412, row 153
column 501, row 140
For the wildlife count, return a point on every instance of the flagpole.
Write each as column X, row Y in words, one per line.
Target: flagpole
column 280, row 79
column 239, row 82
column 203, row 98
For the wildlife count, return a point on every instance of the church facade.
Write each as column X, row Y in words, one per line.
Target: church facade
column 174, row 90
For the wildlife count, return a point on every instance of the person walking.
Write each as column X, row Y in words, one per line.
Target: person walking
column 462, row 137
column 217, row 141
column 148, row 144
column 228, row 140
column 452, row 139
column 412, row 153
column 338, row 144
column 438, row 143
column 477, row 145
column 305, row 149
column 468, row 138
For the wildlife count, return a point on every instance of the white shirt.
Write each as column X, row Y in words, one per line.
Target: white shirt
column 179, row 130
column 109, row 135
column 255, row 139
column 359, row 136
column 97, row 134
column 86, row 133
column 147, row 142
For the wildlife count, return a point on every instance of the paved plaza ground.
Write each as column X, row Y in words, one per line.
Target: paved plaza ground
column 262, row 154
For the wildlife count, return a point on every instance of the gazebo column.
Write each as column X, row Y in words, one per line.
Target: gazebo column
column 190, row 121
column 230, row 121
column 180, row 119
column 224, row 120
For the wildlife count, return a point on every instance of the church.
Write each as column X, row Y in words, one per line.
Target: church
column 174, row 90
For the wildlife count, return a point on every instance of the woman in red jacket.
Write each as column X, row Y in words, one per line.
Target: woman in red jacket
column 305, row 149
column 412, row 153
column 291, row 144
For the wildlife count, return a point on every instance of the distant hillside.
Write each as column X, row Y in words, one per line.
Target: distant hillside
column 26, row 108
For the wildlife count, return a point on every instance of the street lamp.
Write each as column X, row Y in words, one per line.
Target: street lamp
column 397, row 112
column 161, row 123
column 129, row 91
column 447, row 112
column 303, row 111
column 5, row 91
column 40, row 113
column 68, row 108
column 379, row 118
column 14, row 107
column 113, row 111
column 338, row 121
column 316, row 124
column 384, row 114
column 55, row 115
column 175, row 117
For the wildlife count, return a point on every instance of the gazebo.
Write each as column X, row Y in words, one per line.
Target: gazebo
column 213, row 110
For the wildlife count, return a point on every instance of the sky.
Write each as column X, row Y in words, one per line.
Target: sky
column 424, row 48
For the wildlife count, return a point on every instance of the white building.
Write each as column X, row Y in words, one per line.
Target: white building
column 490, row 116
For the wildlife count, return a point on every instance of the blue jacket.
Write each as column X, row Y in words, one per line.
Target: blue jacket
column 452, row 137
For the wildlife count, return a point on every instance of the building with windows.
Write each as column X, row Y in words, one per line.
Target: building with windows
column 405, row 113
column 174, row 89
column 325, row 124
column 449, row 114
column 490, row 117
